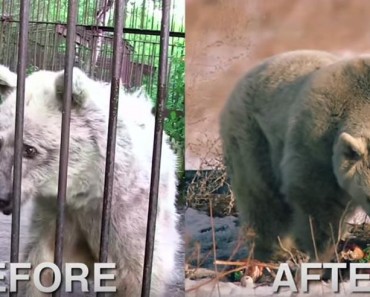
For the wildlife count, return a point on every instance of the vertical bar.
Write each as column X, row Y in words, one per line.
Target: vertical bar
column 2, row 32
column 18, row 140
column 112, row 130
column 157, row 149
column 56, row 12
column 64, row 145
column 104, row 56
column 8, row 42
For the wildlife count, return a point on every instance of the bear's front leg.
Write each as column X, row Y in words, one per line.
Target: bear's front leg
column 130, row 285
column 38, row 252
column 312, row 191
column 129, row 279
column 41, row 249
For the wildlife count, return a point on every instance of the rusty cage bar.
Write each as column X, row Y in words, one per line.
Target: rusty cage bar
column 157, row 150
column 18, row 141
column 116, row 76
column 64, row 145
column 112, row 128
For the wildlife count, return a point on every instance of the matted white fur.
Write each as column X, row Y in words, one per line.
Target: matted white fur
column 89, row 125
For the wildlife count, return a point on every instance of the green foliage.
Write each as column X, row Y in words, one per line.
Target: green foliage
column 143, row 14
column 174, row 124
column 237, row 276
column 366, row 258
column 31, row 69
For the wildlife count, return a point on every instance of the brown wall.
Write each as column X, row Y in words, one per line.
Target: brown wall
column 224, row 38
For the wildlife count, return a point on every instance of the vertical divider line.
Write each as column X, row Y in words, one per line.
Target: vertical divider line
column 157, row 148
column 112, row 130
column 64, row 146
column 18, row 137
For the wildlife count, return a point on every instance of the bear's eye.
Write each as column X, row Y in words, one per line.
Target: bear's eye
column 29, row 152
column 351, row 154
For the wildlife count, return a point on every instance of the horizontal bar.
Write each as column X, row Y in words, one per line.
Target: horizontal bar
column 103, row 28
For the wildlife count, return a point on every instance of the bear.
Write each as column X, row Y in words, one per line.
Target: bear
column 85, row 182
column 8, row 81
column 295, row 135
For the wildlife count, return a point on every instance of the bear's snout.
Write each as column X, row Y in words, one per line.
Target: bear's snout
column 6, row 204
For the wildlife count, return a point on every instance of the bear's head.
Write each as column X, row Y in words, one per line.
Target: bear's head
column 42, row 133
column 351, row 161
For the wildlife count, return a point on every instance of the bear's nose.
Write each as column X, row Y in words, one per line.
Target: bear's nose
column 5, row 204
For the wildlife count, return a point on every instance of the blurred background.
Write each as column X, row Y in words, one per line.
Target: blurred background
column 225, row 38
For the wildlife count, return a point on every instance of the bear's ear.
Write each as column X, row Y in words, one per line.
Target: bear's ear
column 8, row 80
column 80, row 87
column 351, row 147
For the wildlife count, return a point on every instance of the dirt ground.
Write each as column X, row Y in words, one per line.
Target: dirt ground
column 225, row 38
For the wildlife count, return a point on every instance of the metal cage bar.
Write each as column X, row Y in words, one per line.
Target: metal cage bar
column 157, row 149
column 64, row 145
column 18, row 137
column 112, row 129
column 112, row 132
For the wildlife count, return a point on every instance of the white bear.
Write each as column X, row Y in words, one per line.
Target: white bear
column 296, row 139
column 133, row 159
